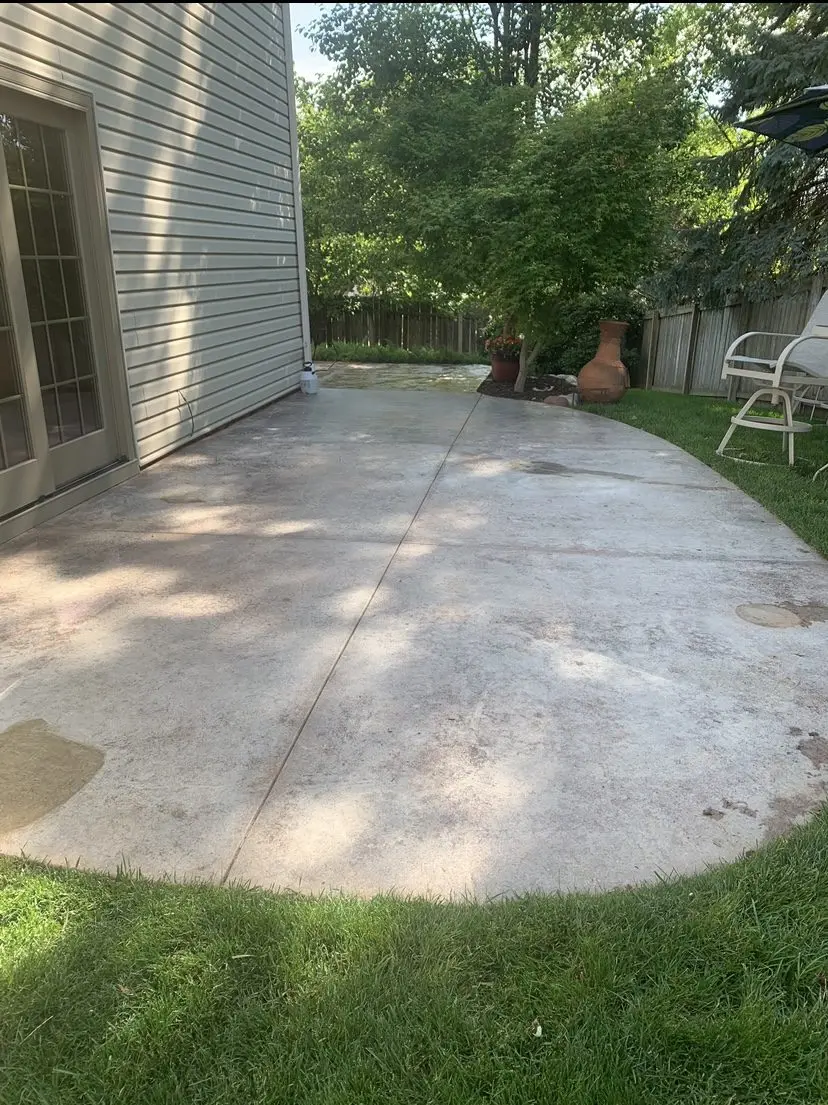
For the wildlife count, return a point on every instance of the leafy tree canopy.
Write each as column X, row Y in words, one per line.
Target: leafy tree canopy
column 432, row 110
column 766, row 201
column 527, row 154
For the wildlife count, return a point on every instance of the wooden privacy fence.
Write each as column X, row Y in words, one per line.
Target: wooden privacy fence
column 412, row 326
column 683, row 348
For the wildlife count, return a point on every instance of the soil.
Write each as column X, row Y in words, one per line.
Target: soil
column 537, row 389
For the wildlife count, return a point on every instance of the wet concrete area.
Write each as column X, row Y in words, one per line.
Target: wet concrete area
column 815, row 748
column 39, row 771
column 783, row 615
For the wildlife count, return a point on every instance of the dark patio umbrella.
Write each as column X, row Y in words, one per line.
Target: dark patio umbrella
column 803, row 122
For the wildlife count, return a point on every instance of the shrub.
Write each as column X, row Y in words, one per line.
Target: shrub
column 575, row 338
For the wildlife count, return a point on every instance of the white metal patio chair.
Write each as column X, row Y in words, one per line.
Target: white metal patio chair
column 803, row 363
column 812, row 396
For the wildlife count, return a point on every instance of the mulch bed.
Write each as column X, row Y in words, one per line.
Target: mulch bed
column 537, row 389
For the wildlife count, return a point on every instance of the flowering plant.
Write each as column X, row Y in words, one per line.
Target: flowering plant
column 504, row 345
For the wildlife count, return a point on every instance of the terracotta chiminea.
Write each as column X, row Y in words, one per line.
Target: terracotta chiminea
column 604, row 379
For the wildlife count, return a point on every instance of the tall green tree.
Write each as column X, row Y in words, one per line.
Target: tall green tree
column 514, row 153
column 765, row 226
column 587, row 210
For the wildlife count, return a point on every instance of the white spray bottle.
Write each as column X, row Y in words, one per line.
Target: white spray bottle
column 309, row 381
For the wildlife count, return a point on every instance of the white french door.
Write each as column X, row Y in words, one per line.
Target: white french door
column 57, row 422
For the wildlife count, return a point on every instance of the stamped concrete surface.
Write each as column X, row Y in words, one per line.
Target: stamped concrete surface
column 410, row 377
column 415, row 641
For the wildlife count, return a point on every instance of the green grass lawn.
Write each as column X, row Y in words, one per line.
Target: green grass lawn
column 709, row 989
column 697, row 424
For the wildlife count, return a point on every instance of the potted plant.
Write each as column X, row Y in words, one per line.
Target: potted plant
column 504, row 350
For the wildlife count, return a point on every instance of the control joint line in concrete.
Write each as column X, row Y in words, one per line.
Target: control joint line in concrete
column 342, row 651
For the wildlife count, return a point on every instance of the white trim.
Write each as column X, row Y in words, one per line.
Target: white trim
column 100, row 282
column 104, row 265
column 297, row 182
column 64, row 500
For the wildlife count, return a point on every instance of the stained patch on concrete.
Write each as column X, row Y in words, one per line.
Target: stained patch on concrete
column 793, row 809
column 815, row 748
column 542, row 468
column 711, row 811
column 552, row 468
column 768, row 615
column 178, row 497
column 739, row 807
column 808, row 612
column 39, row 771
column 782, row 615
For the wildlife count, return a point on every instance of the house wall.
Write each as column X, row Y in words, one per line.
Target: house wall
column 196, row 131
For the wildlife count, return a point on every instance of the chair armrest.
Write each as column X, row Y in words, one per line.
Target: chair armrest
column 783, row 356
column 755, row 334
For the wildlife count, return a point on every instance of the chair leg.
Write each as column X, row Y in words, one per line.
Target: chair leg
column 786, row 399
column 731, row 430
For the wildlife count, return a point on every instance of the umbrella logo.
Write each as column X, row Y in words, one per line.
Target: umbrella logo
column 806, row 134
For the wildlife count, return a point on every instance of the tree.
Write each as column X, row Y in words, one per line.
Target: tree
column 764, row 224
column 587, row 208
column 561, row 50
column 346, row 195
column 468, row 150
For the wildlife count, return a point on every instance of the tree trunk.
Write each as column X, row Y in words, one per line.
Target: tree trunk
column 527, row 359
column 535, row 16
column 496, row 49
column 507, row 44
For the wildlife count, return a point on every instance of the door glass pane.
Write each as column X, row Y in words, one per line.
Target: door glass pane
column 15, row 446
column 89, row 405
column 13, row 432
column 73, row 288
column 52, row 284
column 52, row 273
column 11, row 149
column 61, row 343
column 43, row 222
column 32, row 282
column 43, row 355
column 53, row 144
column 63, row 222
column 81, row 347
column 34, row 159
column 21, row 218
column 8, row 374
column 69, row 411
column 50, row 413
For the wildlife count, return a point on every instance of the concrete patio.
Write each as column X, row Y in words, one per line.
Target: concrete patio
column 415, row 641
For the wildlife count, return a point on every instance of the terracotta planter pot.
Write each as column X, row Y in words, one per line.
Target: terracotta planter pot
column 604, row 379
column 505, row 369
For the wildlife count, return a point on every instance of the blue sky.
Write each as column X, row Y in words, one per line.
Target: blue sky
column 307, row 62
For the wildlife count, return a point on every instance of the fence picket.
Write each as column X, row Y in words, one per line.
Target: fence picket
column 685, row 346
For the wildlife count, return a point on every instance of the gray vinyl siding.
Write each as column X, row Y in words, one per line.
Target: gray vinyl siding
column 194, row 129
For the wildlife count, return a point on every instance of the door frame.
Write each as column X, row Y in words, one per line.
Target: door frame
column 100, row 286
